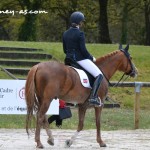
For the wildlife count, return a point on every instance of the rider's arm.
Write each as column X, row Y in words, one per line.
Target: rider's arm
column 83, row 49
column 64, row 45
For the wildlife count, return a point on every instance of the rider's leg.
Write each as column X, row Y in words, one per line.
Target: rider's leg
column 89, row 66
column 94, row 99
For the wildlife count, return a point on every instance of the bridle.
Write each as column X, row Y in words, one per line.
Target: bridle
column 131, row 73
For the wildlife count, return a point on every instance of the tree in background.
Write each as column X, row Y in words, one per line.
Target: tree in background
column 27, row 31
column 124, row 29
column 58, row 19
column 3, row 32
column 64, row 9
column 127, row 7
column 125, row 21
column 131, row 8
column 147, row 21
column 7, row 19
column 53, row 24
column 103, row 22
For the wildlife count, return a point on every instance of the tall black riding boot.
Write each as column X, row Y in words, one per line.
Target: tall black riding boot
column 94, row 99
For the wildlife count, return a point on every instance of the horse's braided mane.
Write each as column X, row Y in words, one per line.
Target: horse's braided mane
column 107, row 56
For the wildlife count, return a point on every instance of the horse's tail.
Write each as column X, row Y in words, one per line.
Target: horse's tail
column 31, row 100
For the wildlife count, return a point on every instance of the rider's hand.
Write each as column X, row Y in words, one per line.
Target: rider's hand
column 94, row 59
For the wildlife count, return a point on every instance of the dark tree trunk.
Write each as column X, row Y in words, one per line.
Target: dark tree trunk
column 3, row 34
column 27, row 31
column 103, row 23
column 147, row 22
column 124, row 24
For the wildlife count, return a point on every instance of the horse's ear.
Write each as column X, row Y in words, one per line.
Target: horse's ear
column 127, row 47
column 120, row 46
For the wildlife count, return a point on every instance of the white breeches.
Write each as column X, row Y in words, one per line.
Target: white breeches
column 90, row 67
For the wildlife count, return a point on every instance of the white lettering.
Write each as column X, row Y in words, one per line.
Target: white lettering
column 33, row 12
column 7, row 12
column 23, row 12
column 43, row 12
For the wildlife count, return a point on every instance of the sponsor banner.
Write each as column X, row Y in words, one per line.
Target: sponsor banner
column 12, row 98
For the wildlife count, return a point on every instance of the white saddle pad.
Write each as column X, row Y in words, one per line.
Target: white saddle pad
column 83, row 78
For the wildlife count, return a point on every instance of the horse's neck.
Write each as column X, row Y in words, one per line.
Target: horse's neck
column 109, row 64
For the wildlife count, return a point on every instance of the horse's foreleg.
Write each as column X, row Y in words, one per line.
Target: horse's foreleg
column 50, row 140
column 81, row 115
column 98, row 126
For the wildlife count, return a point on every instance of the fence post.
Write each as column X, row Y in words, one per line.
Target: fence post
column 137, row 104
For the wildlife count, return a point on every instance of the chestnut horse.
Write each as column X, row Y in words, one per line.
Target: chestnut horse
column 50, row 80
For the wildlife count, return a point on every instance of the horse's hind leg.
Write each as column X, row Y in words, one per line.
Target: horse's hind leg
column 81, row 114
column 40, row 121
column 50, row 140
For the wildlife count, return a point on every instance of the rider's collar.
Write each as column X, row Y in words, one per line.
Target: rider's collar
column 77, row 26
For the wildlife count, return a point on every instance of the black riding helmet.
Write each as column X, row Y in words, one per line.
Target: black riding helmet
column 76, row 17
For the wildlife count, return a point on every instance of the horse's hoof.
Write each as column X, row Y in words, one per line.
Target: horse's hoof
column 50, row 141
column 103, row 145
column 40, row 146
column 68, row 143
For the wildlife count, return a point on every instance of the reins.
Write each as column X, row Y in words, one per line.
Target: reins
column 110, row 84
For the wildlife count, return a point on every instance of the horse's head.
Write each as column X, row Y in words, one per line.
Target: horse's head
column 129, row 66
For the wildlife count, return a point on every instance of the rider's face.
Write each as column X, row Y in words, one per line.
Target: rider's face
column 81, row 25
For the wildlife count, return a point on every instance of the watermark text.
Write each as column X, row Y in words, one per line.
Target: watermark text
column 22, row 12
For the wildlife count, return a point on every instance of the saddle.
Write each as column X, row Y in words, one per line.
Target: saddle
column 72, row 63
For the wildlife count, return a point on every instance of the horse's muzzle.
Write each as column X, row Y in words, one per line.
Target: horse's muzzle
column 134, row 73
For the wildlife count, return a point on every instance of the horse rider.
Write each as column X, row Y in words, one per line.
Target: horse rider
column 74, row 48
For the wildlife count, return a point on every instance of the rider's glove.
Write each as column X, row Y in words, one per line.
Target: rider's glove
column 94, row 59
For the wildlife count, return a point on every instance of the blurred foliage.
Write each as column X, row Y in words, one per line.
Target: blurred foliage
column 127, row 20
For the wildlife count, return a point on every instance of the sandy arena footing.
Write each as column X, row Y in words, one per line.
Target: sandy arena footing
column 17, row 139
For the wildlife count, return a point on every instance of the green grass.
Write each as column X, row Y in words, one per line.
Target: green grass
column 112, row 119
column 140, row 54
column 51, row 48
column 3, row 75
